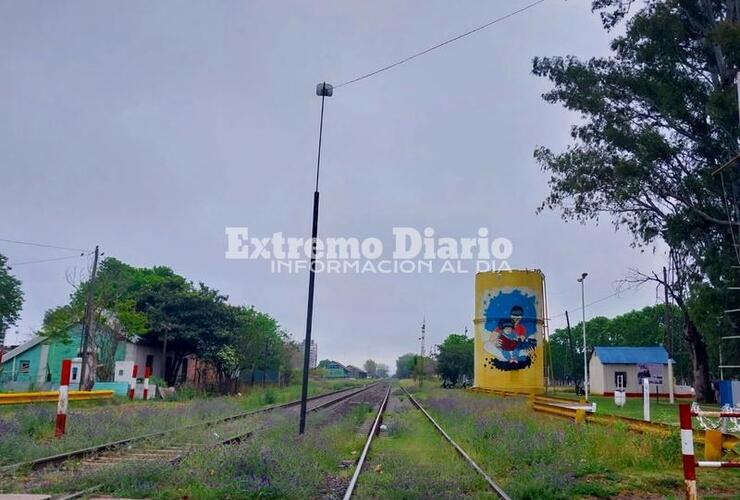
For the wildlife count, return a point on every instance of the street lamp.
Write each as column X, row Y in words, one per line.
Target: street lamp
column 323, row 90
column 581, row 280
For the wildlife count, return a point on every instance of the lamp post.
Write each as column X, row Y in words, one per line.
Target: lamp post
column 582, row 280
column 323, row 90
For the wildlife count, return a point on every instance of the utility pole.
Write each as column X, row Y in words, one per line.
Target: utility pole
column 323, row 90
column 422, row 338
column 582, row 280
column 667, row 315
column 86, row 326
column 571, row 349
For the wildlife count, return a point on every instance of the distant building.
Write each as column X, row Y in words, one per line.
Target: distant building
column 312, row 355
column 354, row 372
column 295, row 353
column 37, row 363
column 612, row 367
column 333, row 369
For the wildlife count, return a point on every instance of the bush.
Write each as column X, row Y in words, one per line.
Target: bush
column 158, row 381
column 188, row 392
column 269, row 397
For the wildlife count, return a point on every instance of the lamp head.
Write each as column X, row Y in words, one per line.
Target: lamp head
column 324, row 90
column 583, row 277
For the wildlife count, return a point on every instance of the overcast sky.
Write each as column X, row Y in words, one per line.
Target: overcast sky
column 149, row 127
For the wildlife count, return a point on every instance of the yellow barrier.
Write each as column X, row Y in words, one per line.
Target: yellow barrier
column 552, row 406
column 15, row 398
column 728, row 441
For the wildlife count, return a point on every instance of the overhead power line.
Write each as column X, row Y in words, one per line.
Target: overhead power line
column 602, row 299
column 439, row 45
column 46, row 260
column 43, row 245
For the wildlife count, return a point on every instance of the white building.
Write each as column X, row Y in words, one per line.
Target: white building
column 610, row 366
column 313, row 354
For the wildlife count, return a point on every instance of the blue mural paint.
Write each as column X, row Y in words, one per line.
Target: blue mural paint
column 511, row 317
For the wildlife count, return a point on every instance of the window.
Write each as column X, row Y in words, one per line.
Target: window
column 74, row 373
column 620, row 379
column 25, row 366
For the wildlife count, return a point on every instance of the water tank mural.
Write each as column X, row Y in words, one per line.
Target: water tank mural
column 509, row 320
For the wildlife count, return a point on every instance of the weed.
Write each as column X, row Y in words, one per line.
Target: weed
column 269, row 397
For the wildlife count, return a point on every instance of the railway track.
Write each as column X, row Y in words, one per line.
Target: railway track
column 374, row 431
column 124, row 446
column 175, row 454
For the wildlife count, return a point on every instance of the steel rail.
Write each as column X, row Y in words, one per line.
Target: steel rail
column 63, row 457
column 373, row 432
column 499, row 491
column 236, row 439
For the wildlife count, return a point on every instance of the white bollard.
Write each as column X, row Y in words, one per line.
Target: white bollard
column 132, row 383
column 60, row 425
column 147, row 374
column 646, row 399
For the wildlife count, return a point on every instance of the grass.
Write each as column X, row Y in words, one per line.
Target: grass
column 532, row 456
column 28, row 432
column 274, row 463
column 661, row 411
column 411, row 460
column 536, row 456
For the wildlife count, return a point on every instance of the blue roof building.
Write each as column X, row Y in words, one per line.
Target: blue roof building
column 625, row 366
column 630, row 355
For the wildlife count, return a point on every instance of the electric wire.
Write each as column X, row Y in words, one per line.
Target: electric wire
column 46, row 260
column 602, row 299
column 439, row 45
column 43, row 245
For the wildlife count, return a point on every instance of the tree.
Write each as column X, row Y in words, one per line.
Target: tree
column 642, row 327
column 114, row 316
column 157, row 306
column 382, row 370
column 405, row 365
column 371, row 367
column 260, row 342
column 658, row 117
column 425, row 366
column 455, row 359
column 11, row 298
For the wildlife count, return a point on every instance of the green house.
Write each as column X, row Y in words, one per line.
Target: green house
column 333, row 369
column 37, row 363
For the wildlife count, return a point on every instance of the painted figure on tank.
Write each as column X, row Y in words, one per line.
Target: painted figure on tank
column 509, row 330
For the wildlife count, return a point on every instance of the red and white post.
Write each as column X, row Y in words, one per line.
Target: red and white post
column 687, row 451
column 132, row 383
column 147, row 374
column 61, row 420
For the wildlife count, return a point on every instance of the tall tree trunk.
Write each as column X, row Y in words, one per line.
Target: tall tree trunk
column 699, row 360
column 164, row 357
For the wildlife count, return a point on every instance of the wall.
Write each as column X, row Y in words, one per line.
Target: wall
column 138, row 353
column 596, row 376
column 59, row 351
column 605, row 373
column 11, row 367
column 509, row 317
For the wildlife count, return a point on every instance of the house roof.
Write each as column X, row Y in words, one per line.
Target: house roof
column 631, row 355
column 22, row 348
column 331, row 364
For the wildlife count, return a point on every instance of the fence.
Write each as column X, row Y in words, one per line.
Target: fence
column 685, row 413
column 14, row 398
